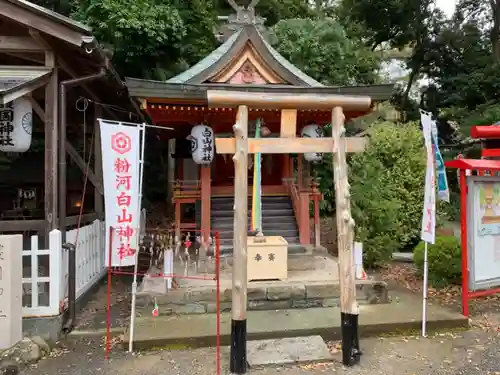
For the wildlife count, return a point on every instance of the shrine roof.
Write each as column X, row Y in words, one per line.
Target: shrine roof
column 78, row 53
column 54, row 16
column 15, row 81
column 474, row 164
column 222, row 56
column 141, row 88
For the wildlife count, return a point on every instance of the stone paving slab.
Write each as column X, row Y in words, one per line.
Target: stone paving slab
column 200, row 330
column 287, row 351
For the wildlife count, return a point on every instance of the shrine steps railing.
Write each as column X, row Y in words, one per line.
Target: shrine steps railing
column 301, row 201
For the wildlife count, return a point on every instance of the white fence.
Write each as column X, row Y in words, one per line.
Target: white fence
column 45, row 272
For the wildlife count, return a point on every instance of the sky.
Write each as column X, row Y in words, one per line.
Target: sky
column 447, row 6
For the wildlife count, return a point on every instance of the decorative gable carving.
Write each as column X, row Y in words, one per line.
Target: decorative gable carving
column 247, row 68
column 247, row 74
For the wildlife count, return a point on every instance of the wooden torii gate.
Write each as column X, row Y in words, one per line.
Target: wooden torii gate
column 338, row 144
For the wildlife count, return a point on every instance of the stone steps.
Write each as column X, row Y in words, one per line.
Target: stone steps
column 261, row 296
column 278, row 219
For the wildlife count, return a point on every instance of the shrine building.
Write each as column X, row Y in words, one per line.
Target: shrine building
column 201, row 182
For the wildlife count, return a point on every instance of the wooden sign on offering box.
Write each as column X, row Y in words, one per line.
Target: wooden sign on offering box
column 267, row 258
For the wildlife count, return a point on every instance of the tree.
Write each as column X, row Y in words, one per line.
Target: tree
column 396, row 23
column 384, row 21
column 483, row 13
column 323, row 50
column 151, row 39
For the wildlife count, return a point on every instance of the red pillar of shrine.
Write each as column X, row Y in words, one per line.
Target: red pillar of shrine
column 205, row 172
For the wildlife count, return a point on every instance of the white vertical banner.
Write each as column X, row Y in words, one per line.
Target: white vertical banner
column 121, row 176
column 429, row 215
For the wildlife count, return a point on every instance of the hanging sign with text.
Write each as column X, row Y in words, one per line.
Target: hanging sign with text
column 429, row 215
column 120, row 165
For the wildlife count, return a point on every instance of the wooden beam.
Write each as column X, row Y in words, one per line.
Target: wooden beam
column 40, row 22
column 50, row 117
column 220, row 98
column 85, row 219
column 239, row 291
column 288, row 145
column 68, row 69
column 19, row 44
column 288, row 123
column 25, row 89
column 19, row 226
column 345, row 242
column 36, row 107
column 37, row 58
column 75, row 156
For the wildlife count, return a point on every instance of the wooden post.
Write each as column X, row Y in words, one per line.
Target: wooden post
column 170, row 172
column 98, row 197
column 345, row 238
column 286, row 166
column 304, row 219
column 238, row 361
column 51, row 141
column 178, row 221
column 300, row 158
column 205, row 201
column 317, row 236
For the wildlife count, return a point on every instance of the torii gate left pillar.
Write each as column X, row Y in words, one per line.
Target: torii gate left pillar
column 338, row 144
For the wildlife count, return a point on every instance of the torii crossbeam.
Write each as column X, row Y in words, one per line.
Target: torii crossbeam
column 338, row 144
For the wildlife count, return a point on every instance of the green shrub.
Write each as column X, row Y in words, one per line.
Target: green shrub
column 387, row 189
column 444, row 259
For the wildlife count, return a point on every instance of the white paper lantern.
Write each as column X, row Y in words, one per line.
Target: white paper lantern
column 202, row 144
column 312, row 131
column 16, row 126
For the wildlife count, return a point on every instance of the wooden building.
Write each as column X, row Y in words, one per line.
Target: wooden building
column 56, row 65
column 244, row 61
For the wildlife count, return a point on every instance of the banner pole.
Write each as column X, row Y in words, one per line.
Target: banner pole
column 428, row 234
column 424, row 292
column 142, row 132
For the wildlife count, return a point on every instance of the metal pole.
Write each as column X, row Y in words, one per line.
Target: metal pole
column 424, row 292
column 142, row 132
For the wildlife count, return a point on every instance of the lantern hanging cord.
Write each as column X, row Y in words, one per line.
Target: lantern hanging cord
column 87, row 165
column 83, row 109
column 111, row 107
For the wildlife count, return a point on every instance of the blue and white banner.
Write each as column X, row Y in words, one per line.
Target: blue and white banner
column 442, row 181
column 429, row 215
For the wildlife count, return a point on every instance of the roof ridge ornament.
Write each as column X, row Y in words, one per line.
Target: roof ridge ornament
column 244, row 14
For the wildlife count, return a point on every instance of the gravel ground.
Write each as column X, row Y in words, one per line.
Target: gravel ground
column 476, row 351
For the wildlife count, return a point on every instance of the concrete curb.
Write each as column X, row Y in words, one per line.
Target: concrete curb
column 327, row 333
